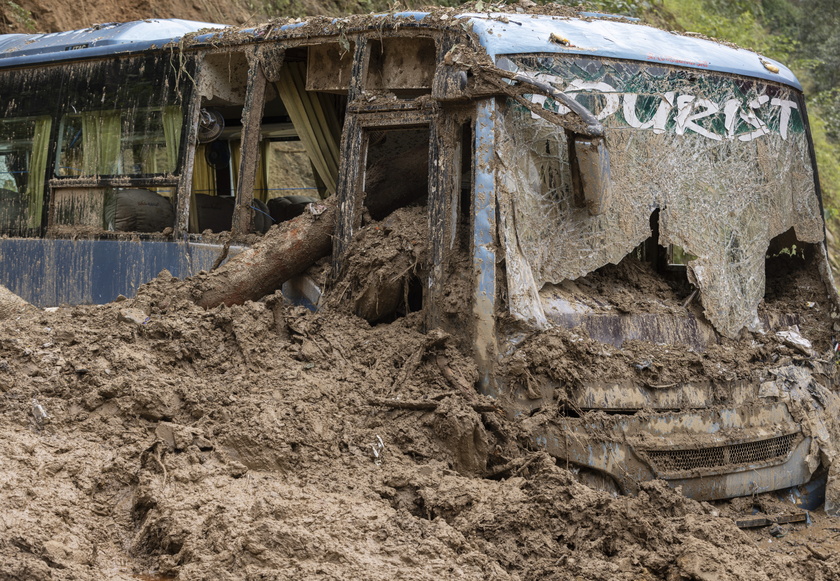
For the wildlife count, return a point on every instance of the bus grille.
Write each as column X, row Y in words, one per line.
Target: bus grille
column 719, row 456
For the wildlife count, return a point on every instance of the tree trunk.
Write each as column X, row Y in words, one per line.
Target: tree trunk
column 281, row 254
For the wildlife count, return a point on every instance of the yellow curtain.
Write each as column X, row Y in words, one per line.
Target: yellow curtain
column 261, row 185
column 37, row 170
column 204, row 179
column 172, row 121
column 235, row 157
column 260, row 188
column 315, row 122
column 101, row 138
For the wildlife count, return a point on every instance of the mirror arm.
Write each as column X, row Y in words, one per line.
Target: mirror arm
column 594, row 128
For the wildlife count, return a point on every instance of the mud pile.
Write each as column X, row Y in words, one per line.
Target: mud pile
column 151, row 439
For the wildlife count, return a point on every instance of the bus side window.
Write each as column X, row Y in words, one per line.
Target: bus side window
column 128, row 142
column 302, row 129
column 23, row 156
column 297, row 149
column 141, row 142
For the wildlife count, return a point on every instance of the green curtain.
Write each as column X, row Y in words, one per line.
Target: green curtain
column 38, row 170
column 314, row 120
column 172, row 122
column 101, row 138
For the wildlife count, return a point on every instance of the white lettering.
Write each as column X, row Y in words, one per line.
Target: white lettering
column 657, row 120
column 690, row 109
column 751, row 118
column 609, row 93
column 784, row 116
column 686, row 104
column 730, row 114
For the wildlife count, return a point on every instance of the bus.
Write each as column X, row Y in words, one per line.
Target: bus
column 624, row 225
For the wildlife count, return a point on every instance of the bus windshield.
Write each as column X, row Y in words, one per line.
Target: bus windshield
column 720, row 162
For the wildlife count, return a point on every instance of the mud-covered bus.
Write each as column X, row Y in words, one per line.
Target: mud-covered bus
column 623, row 224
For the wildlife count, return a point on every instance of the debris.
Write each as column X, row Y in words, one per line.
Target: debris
column 770, row 66
column 793, row 339
column 763, row 521
column 39, row 414
column 817, row 553
column 377, row 449
column 557, row 39
column 132, row 315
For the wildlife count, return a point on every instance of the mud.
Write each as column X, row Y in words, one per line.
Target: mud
column 149, row 438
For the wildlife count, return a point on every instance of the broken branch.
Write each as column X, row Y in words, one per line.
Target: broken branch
column 285, row 251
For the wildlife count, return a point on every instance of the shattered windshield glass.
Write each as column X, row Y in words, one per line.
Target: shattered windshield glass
column 724, row 159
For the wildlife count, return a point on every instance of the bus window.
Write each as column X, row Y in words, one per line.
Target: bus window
column 397, row 170
column 23, row 156
column 223, row 84
column 118, row 149
column 295, row 161
column 129, row 142
column 724, row 164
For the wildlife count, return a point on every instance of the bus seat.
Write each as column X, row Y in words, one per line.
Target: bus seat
column 262, row 217
column 288, row 207
column 14, row 211
column 215, row 213
column 139, row 210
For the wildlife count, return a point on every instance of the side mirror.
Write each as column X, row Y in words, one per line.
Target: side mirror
column 591, row 167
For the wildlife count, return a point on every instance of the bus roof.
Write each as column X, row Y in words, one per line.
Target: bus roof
column 499, row 33
column 608, row 36
column 99, row 40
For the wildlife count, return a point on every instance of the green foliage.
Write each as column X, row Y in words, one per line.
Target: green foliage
column 20, row 16
column 634, row 8
column 740, row 22
column 828, row 106
column 828, row 154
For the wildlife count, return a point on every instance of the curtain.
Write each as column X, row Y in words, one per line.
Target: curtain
column 260, row 188
column 38, row 169
column 204, row 179
column 172, row 121
column 101, row 138
column 315, row 121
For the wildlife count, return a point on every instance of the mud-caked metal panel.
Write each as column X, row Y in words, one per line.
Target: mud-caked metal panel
column 55, row 272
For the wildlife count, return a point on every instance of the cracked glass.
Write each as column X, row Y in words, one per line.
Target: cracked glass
column 725, row 160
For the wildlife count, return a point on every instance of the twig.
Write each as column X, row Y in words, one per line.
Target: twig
column 454, row 381
column 410, row 366
column 222, row 255
column 689, row 299
column 515, row 466
column 158, row 459
column 665, row 386
column 424, row 405
column 311, row 338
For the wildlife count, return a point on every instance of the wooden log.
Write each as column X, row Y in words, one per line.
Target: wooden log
column 284, row 251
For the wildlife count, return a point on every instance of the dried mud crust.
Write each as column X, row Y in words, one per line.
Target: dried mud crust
column 383, row 260
column 796, row 298
column 238, row 443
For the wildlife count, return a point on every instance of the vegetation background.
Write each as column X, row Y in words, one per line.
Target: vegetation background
column 804, row 34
